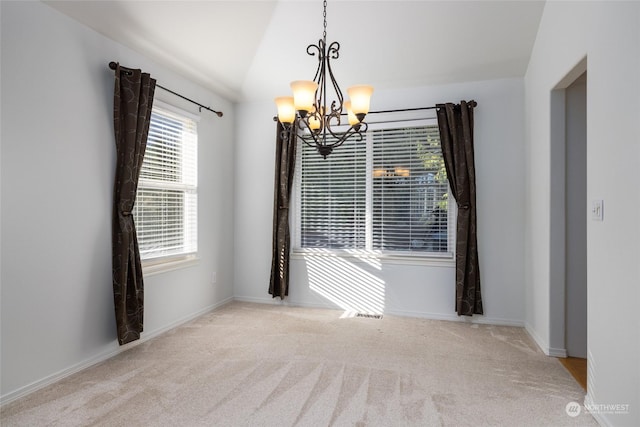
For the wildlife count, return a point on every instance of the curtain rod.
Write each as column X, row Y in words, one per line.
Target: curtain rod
column 472, row 103
column 406, row 109
column 113, row 65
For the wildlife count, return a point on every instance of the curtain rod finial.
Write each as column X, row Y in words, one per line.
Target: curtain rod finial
column 112, row 65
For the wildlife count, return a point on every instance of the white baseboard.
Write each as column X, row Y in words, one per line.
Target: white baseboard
column 147, row 336
column 541, row 343
column 549, row 351
column 401, row 313
column 600, row 419
column 557, row 352
column 272, row 301
column 112, row 350
column 455, row 318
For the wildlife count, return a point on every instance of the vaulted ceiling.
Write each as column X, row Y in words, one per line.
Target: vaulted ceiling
column 246, row 50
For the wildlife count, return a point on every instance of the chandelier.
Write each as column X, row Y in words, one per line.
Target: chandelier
column 307, row 113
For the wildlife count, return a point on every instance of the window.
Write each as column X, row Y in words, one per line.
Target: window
column 165, row 212
column 387, row 194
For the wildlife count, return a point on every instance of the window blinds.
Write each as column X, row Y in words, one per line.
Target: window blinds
column 166, row 206
column 410, row 191
column 388, row 193
column 333, row 197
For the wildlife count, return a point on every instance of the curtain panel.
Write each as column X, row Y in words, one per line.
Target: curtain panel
column 456, row 136
column 132, row 103
column 284, row 175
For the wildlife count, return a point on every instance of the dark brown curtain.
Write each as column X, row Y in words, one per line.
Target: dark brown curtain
column 285, row 166
column 456, row 136
column 132, row 102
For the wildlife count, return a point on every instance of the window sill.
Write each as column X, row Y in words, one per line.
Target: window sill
column 444, row 260
column 164, row 265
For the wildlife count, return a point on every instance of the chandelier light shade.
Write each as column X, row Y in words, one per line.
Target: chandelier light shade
column 286, row 109
column 304, row 93
column 308, row 114
column 360, row 99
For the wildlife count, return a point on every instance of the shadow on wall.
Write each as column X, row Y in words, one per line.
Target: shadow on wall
column 347, row 284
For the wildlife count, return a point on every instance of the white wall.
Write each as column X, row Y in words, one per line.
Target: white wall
column 608, row 34
column 58, row 160
column 397, row 288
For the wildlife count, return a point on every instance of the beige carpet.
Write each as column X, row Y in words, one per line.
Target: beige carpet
column 263, row 365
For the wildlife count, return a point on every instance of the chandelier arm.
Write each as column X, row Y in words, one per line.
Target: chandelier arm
column 334, row 114
column 337, row 135
column 334, row 49
column 303, row 125
column 285, row 134
column 320, row 48
column 313, row 136
column 311, row 140
column 351, row 132
column 343, row 137
column 320, row 51
column 322, row 96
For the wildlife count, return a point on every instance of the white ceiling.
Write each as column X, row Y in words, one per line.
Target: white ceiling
column 252, row 49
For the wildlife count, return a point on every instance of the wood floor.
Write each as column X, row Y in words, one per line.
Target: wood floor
column 578, row 368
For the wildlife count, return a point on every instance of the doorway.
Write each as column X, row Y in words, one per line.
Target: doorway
column 568, row 221
column 576, row 218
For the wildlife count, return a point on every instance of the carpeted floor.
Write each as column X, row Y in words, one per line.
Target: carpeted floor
column 266, row 365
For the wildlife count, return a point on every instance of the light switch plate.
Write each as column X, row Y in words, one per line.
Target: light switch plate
column 597, row 210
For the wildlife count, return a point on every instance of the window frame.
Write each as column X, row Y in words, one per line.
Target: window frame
column 167, row 263
column 445, row 259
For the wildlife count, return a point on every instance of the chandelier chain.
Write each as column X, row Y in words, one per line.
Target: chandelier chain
column 324, row 16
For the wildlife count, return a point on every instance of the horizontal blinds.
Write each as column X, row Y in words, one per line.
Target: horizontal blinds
column 166, row 206
column 166, row 222
column 388, row 193
column 410, row 197
column 171, row 149
column 332, row 197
